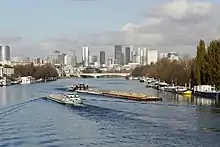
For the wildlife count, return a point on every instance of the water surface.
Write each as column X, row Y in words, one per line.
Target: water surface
column 26, row 119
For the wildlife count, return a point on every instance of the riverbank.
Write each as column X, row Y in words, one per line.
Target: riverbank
column 25, row 80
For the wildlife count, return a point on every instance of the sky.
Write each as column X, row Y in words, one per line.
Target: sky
column 37, row 27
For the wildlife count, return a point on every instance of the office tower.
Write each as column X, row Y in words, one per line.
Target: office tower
column 102, row 57
column 127, row 55
column 70, row 58
column 118, row 54
column 109, row 62
column 134, row 56
column 5, row 53
column 93, row 59
column 152, row 56
column 85, row 56
column 144, row 58
column 122, row 59
column 56, row 57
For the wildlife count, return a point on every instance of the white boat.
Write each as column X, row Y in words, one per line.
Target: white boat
column 180, row 89
column 162, row 86
column 71, row 98
column 170, row 88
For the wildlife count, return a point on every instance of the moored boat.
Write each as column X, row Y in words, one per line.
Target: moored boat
column 187, row 92
column 77, row 87
column 206, row 91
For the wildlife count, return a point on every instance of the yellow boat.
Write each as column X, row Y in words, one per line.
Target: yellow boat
column 188, row 92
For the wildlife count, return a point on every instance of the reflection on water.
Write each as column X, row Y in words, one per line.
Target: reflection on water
column 109, row 122
column 189, row 100
column 3, row 96
column 17, row 93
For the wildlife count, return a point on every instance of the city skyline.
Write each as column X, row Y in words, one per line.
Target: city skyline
column 167, row 25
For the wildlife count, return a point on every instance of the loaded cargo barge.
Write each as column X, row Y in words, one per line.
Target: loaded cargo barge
column 120, row 95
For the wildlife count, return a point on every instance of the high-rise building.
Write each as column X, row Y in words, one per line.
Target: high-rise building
column 102, row 57
column 134, row 56
column 122, row 59
column 152, row 56
column 70, row 58
column 109, row 62
column 93, row 59
column 56, row 57
column 85, row 56
column 5, row 53
column 127, row 55
column 144, row 58
column 118, row 54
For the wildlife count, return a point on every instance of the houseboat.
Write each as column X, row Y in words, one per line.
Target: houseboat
column 206, row 91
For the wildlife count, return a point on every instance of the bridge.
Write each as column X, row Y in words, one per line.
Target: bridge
column 97, row 75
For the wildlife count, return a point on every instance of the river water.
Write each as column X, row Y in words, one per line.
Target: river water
column 26, row 119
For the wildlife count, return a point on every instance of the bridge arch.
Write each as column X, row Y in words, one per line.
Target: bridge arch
column 98, row 75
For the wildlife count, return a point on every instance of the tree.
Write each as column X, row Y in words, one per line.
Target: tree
column 212, row 65
column 44, row 71
column 200, row 63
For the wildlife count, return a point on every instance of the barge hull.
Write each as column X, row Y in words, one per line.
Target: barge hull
column 121, row 95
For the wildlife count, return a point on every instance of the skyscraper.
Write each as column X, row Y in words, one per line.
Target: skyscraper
column 102, row 57
column 127, row 55
column 70, row 58
column 56, row 57
column 118, row 54
column 5, row 53
column 93, row 59
column 152, row 56
column 85, row 55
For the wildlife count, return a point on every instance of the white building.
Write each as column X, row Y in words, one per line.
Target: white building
column 27, row 80
column 70, row 58
column 69, row 70
column 85, row 55
column 170, row 55
column 109, row 62
column 173, row 56
column 152, row 56
column 138, row 55
column 163, row 55
column 6, row 71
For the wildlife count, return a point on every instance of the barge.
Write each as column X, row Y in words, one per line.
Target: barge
column 120, row 95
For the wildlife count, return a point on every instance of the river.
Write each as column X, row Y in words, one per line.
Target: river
column 26, row 119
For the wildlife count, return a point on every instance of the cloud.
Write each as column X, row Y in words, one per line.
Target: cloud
column 10, row 40
column 173, row 26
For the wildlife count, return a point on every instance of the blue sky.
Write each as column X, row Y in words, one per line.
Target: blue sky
column 37, row 20
column 40, row 19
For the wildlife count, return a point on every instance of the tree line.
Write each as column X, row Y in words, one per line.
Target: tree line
column 203, row 69
column 42, row 71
